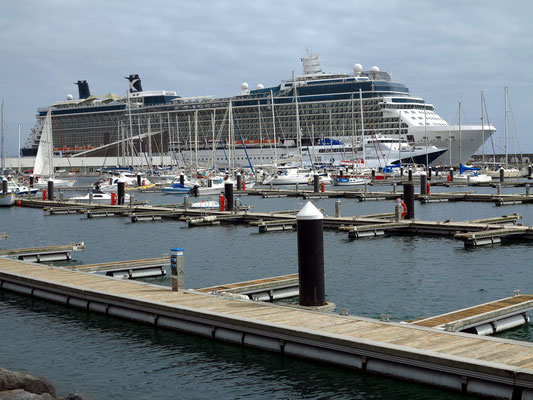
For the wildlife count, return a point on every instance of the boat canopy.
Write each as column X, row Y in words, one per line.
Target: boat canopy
column 463, row 168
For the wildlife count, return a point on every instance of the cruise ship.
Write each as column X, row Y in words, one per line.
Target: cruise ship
column 256, row 126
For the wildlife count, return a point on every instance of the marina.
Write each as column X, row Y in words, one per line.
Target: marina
column 375, row 213
column 244, row 201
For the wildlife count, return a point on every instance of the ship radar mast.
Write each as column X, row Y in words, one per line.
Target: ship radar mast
column 311, row 63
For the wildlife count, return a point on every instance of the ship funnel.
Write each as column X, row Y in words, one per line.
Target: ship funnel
column 135, row 83
column 311, row 63
column 83, row 89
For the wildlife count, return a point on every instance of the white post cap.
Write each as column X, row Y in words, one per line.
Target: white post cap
column 309, row 212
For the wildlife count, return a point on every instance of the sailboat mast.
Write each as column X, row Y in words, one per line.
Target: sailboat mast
column 150, row 141
column 230, row 131
column 130, row 126
column 400, row 136
column 298, row 133
column 20, row 170
column 3, row 141
column 460, row 137
column 260, row 134
column 274, row 126
column 426, row 135
column 482, row 129
column 196, row 138
column 213, row 126
column 353, row 128
column 362, row 124
column 506, row 123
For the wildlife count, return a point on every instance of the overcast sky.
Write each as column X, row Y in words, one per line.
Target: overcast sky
column 444, row 51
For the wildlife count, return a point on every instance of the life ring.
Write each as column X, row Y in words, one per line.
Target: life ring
column 404, row 209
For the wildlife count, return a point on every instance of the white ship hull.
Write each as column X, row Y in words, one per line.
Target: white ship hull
column 459, row 151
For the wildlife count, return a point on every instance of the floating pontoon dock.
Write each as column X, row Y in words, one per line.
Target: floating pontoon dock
column 44, row 254
column 482, row 366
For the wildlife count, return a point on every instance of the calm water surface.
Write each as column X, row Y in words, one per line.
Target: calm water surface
column 404, row 276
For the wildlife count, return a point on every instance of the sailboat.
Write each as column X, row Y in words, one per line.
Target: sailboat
column 43, row 168
column 471, row 175
column 7, row 197
column 508, row 170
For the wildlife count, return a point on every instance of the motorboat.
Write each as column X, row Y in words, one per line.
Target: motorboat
column 7, row 199
column 323, row 177
column 101, row 198
column 209, row 186
column 20, row 190
column 177, row 188
column 211, row 205
column 289, row 176
column 349, row 181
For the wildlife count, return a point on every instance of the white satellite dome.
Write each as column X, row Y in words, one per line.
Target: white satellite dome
column 244, row 86
column 69, row 97
column 260, row 86
column 357, row 68
column 374, row 69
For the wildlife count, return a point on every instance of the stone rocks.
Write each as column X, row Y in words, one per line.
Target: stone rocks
column 28, row 382
column 21, row 394
column 77, row 396
column 24, row 386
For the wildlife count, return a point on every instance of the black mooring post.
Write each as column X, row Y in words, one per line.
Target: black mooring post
column 239, row 182
column 50, row 190
column 409, row 199
column 4, row 185
column 316, row 183
column 310, row 222
column 502, row 174
column 228, row 193
column 423, row 184
column 31, row 181
column 182, row 180
column 121, row 186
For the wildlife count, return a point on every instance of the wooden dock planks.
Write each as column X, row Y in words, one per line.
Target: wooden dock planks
column 440, row 320
column 417, row 343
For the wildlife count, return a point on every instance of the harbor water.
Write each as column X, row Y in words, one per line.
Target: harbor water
column 403, row 276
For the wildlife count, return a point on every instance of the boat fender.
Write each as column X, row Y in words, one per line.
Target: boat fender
column 113, row 199
column 243, row 185
column 428, row 186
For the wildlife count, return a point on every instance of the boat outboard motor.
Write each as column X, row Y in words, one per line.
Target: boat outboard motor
column 135, row 83
column 83, row 89
column 194, row 191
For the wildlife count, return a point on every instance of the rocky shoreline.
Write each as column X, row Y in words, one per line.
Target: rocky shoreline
column 25, row 386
